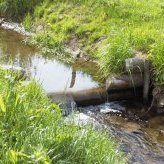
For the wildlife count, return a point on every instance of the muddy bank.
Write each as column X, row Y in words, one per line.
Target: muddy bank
column 17, row 27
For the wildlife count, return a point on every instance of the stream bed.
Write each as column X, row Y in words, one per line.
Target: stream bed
column 142, row 141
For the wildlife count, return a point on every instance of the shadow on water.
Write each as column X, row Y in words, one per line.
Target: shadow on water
column 143, row 141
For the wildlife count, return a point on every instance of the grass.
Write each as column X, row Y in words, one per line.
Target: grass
column 108, row 30
column 17, row 9
column 32, row 130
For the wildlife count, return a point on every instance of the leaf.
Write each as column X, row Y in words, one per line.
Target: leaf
column 2, row 105
column 12, row 156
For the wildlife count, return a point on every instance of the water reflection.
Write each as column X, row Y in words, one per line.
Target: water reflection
column 73, row 77
column 50, row 73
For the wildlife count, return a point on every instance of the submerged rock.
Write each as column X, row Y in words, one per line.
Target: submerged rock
column 80, row 119
column 109, row 110
column 112, row 107
column 68, row 107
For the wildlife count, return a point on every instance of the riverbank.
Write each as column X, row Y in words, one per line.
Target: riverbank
column 37, row 132
column 107, row 31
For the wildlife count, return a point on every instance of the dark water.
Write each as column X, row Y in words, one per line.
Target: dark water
column 142, row 141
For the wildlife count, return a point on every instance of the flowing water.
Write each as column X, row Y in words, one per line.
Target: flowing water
column 142, row 141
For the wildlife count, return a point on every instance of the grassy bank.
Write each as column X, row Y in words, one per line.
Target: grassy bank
column 108, row 30
column 32, row 130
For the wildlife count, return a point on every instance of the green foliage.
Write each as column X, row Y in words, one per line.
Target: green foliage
column 156, row 54
column 32, row 130
column 27, row 22
column 16, row 9
column 48, row 43
column 113, row 54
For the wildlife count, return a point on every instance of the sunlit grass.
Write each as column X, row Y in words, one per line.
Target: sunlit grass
column 32, row 130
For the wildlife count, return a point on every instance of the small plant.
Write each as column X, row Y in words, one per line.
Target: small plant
column 27, row 22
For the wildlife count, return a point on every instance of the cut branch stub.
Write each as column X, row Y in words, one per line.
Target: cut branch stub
column 134, row 65
column 124, row 82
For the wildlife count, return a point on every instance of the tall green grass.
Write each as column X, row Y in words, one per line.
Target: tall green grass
column 32, row 130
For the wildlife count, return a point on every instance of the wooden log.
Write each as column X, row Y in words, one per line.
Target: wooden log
column 128, row 94
column 93, row 96
column 124, row 82
column 82, row 98
column 88, row 97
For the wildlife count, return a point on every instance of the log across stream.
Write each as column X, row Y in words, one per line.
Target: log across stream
column 135, row 83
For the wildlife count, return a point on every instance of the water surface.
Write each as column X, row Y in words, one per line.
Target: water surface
column 50, row 73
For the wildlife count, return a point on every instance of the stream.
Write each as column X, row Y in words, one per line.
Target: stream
column 142, row 141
